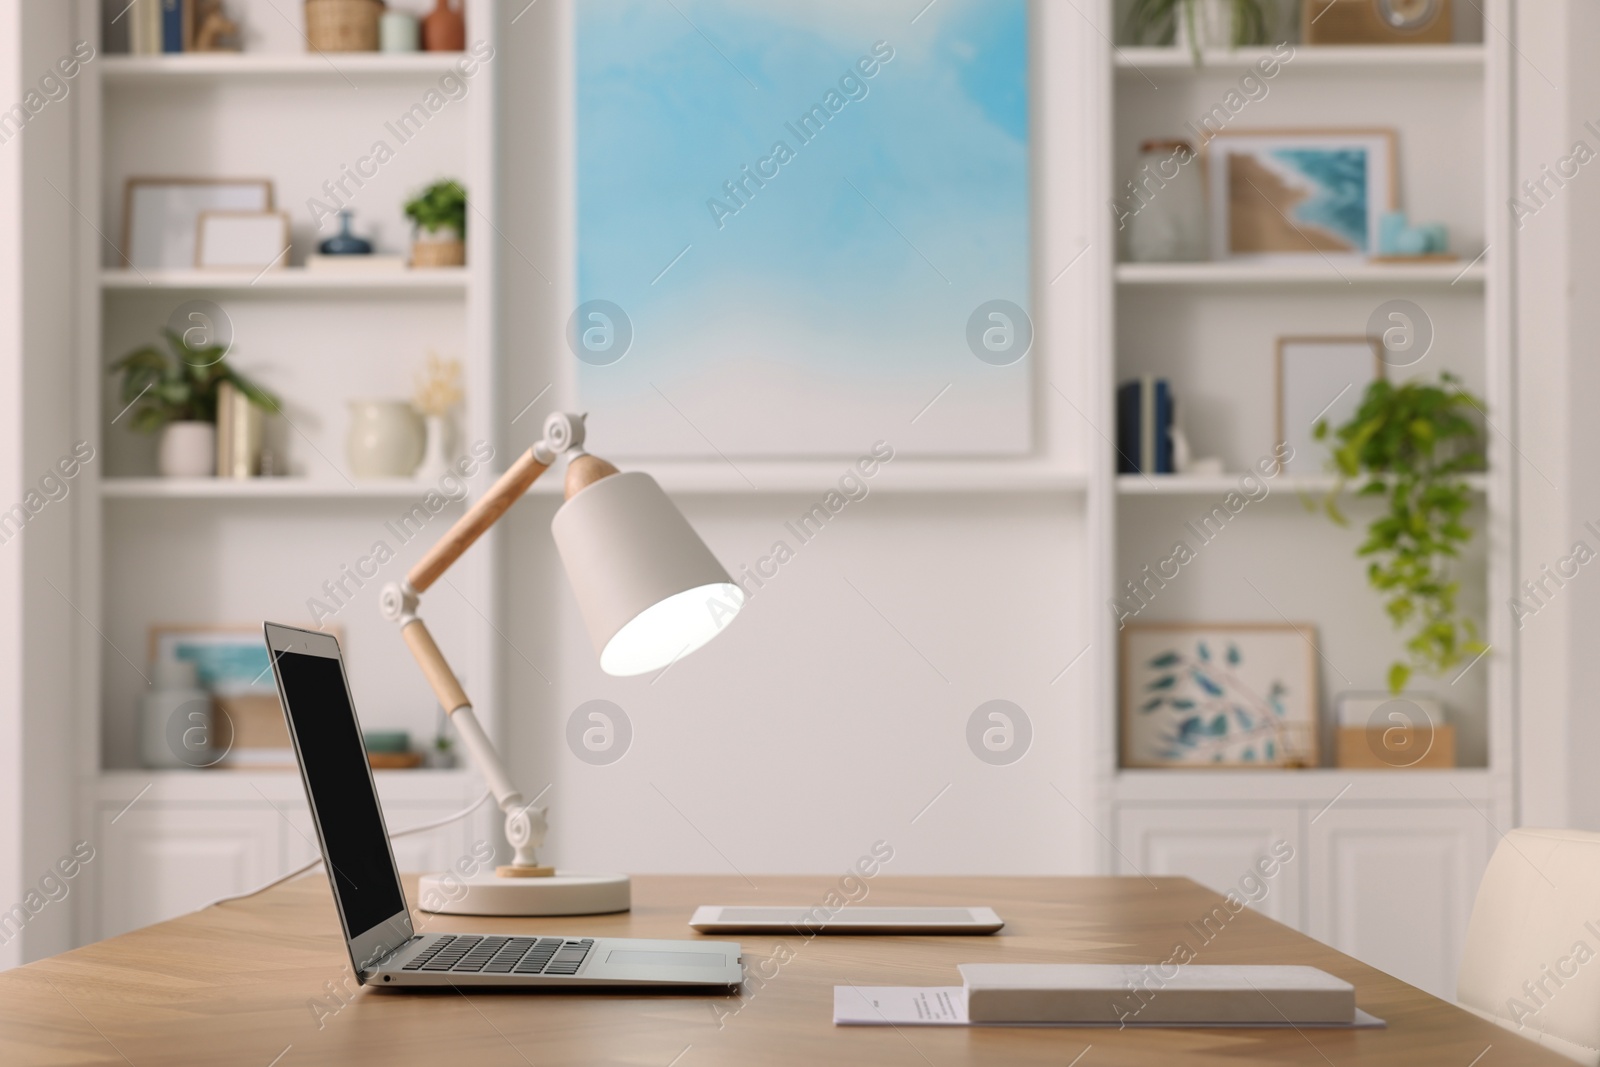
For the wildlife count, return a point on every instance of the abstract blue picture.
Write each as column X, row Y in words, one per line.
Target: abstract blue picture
column 1286, row 196
column 795, row 221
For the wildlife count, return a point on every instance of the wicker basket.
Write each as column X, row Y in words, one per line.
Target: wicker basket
column 343, row 25
column 437, row 253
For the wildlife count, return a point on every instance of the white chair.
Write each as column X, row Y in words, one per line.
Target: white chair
column 1532, row 958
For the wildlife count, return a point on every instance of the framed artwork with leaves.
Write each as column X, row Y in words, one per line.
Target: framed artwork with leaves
column 1219, row 695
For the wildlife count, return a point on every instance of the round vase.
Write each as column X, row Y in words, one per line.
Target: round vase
column 435, row 458
column 385, row 440
column 443, row 29
column 188, row 450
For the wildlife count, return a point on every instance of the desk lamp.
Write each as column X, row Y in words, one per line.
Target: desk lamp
column 650, row 592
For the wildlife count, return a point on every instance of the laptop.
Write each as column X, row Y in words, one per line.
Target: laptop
column 384, row 948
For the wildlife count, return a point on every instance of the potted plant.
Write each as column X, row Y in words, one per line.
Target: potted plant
column 1413, row 443
column 176, row 393
column 439, row 215
column 1198, row 24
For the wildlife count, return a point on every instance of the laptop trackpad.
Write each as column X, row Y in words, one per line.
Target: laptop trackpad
column 656, row 958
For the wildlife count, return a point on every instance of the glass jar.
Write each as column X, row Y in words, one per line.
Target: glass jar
column 1162, row 208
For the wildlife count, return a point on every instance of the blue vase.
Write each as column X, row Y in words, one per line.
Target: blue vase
column 345, row 243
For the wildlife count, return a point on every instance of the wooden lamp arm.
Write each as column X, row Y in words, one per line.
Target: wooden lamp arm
column 476, row 522
column 562, row 432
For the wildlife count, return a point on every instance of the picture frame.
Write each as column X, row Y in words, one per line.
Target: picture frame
column 1380, row 22
column 241, row 240
column 161, row 216
column 1219, row 695
column 1318, row 378
column 229, row 658
column 1297, row 196
column 247, row 727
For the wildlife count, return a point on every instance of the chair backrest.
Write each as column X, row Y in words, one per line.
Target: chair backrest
column 1532, row 957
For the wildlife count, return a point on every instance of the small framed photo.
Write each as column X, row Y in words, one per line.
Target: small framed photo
column 228, row 660
column 1299, row 196
column 246, row 726
column 161, row 216
column 1320, row 379
column 1219, row 695
column 242, row 240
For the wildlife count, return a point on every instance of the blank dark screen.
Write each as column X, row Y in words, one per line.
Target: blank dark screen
column 356, row 844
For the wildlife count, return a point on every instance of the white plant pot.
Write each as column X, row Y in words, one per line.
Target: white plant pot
column 1213, row 24
column 386, row 439
column 188, row 450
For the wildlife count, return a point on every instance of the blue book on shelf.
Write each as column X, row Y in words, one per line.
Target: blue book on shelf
column 1144, row 426
column 172, row 25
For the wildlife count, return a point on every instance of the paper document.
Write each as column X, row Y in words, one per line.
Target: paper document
column 899, row 1005
column 947, row 1006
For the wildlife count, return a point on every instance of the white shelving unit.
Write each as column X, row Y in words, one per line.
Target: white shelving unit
column 1328, row 275
column 212, row 551
column 234, row 67
column 296, row 280
column 1392, row 59
column 1209, row 328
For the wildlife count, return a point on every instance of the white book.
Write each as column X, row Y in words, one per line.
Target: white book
column 1126, row 993
column 137, row 28
column 367, row 264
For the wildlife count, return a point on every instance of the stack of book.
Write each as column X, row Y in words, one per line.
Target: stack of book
column 1144, row 427
column 150, row 27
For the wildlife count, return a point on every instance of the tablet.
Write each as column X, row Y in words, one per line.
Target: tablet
column 851, row 919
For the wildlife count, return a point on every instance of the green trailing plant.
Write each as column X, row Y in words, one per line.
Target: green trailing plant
column 441, row 206
column 1156, row 22
column 180, row 385
column 1413, row 443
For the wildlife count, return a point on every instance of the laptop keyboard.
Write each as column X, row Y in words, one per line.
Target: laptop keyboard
column 470, row 954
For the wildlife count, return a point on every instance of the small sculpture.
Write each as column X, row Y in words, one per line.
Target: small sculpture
column 214, row 31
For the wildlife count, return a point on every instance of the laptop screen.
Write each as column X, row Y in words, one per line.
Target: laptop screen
column 333, row 759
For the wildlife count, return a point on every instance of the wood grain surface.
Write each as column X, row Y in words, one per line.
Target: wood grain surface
column 265, row 983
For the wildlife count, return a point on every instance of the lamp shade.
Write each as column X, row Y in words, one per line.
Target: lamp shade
column 649, row 589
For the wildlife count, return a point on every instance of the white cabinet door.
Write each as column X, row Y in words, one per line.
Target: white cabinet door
column 1220, row 847
column 1394, row 887
column 157, row 863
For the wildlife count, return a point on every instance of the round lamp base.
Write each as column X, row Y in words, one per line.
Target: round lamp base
column 562, row 893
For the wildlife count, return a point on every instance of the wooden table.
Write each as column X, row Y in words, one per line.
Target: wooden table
column 265, row 983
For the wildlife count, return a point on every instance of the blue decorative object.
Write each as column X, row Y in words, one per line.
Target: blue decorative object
column 345, row 243
column 1397, row 237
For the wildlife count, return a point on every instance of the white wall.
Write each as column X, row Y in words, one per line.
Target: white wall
column 11, row 477
column 1558, row 252
column 37, row 623
column 834, row 710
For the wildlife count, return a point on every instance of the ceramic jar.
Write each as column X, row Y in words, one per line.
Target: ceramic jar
column 174, row 719
column 386, row 439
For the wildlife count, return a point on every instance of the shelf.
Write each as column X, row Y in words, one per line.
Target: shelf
column 217, row 66
column 252, row 788
column 1463, row 274
column 297, row 280
column 711, row 478
column 818, row 476
column 1427, row 59
column 1219, row 485
column 262, row 489
column 1315, row 786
